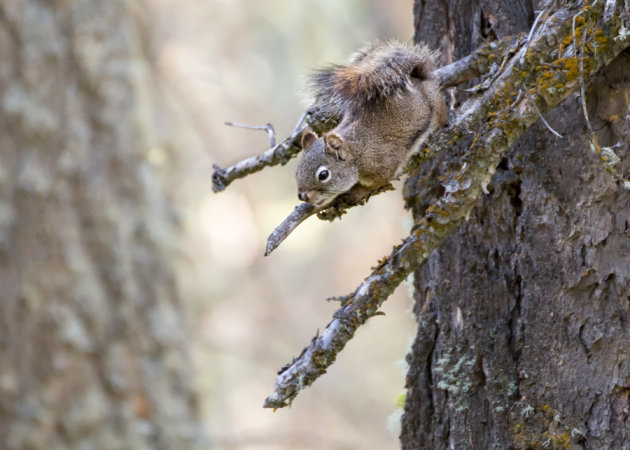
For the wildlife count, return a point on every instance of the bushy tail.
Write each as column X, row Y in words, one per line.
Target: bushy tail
column 378, row 72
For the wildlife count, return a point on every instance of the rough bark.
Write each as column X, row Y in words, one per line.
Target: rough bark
column 523, row 314
column 92, row 335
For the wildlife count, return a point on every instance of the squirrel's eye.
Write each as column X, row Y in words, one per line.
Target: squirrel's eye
column 323, row 174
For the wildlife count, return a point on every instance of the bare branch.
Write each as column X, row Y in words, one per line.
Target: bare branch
column 505, row 121
column 320, row 121
column 280, row 154
column 474, row 65
column 268, row 128
column 303, row 211
column 299, row 214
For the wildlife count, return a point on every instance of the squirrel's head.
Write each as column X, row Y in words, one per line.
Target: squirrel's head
column 326, row 168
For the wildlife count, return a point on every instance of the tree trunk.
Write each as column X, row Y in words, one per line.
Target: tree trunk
column 523, row 314
column 92, row 334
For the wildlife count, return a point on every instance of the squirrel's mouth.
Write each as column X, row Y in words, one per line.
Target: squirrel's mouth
column 320, row 198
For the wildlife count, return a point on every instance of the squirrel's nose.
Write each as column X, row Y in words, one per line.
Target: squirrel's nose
column 303, row 196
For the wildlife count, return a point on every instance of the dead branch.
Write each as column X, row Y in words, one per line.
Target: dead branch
column 478, row 63
column 268, row 128
column 299, row 214
column 280, row 154
column 303, row 211
column 320, row 121
column 504, row 115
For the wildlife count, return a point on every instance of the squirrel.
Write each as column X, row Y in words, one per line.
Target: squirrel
column 389, row 103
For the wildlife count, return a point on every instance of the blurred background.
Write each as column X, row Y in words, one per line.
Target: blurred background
column 246, row 62
column 111, row 117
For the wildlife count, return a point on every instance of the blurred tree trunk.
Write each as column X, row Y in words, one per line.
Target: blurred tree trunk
column 524, row 320
column 92, row 334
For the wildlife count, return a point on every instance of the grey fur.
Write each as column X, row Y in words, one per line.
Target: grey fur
column 389, row 103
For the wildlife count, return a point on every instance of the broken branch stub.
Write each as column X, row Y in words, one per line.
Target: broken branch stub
column 304, row 210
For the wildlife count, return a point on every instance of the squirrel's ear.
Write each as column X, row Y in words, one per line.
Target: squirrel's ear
column 334, row 146
column 308, row 138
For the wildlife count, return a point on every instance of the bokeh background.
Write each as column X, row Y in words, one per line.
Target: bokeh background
column 246, row 62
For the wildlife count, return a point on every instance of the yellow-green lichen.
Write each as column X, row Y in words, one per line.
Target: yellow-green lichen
column 542, row 427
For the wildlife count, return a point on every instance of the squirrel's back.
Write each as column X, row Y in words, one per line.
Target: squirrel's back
column 388, row 102
column 379, row 72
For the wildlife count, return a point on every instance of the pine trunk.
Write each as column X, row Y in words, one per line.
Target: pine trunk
column 524, row 313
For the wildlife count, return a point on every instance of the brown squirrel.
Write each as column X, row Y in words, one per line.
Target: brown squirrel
column 389, row 104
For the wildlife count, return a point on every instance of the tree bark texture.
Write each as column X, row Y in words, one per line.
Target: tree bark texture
column 524, row 313
column 92, row 334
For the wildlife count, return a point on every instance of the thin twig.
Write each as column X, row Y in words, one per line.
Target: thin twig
column 268, row 128
column 624, row 134
column 531, row 31
column 533, row 99
column 580, row 61
column 609, row 9
column 531, row 34
column 298, row 126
